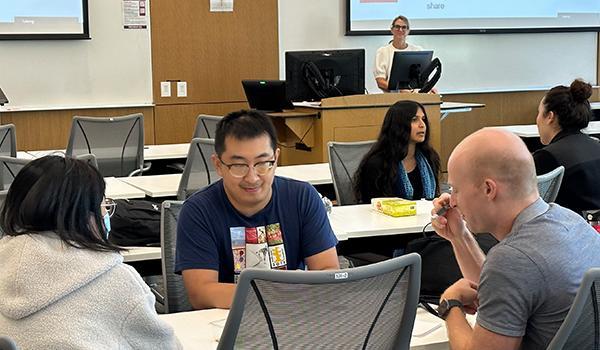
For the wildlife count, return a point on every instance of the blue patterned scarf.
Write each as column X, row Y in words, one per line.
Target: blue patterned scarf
column 427, row 178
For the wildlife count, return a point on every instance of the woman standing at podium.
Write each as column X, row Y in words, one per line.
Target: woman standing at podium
column 401, row 163
column 562, row 113
column 383, row 59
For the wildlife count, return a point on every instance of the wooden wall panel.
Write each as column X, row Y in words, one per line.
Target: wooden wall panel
column 41, row 130
column 212, row 51
column 176, row 123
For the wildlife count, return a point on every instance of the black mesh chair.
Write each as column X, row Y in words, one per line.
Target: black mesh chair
column 8, row 141
column 199, row 170
column 549, row 184
column 174, row 293
column 116, row 142
column 581, row 328
column 368, row 307
column 7, row 343
column 9, row 168
column 206, row 125
column 344, row 159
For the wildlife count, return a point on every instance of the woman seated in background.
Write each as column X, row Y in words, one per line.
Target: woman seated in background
column 63, row 284
column 562, row 113
column 401, row 163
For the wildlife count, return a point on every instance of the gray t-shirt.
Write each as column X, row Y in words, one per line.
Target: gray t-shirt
column 529, row 279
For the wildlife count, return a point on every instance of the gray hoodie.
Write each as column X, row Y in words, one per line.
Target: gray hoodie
column 54, row 296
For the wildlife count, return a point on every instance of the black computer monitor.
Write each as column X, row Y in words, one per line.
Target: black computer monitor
column 267, row 95
column 406, row 69
column 313, row 75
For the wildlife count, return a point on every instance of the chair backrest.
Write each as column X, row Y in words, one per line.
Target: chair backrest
column 9, row 168
column 7, row 343
column 344, row 160
column 116, row 142
column 175, row 295
column 199, row 170
column 8, row 141
column 581, row 327
column 90, row 159
column 206, row 125
column 368, row 307
column 549, row 184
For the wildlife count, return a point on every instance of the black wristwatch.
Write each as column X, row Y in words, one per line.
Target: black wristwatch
column 446, row 305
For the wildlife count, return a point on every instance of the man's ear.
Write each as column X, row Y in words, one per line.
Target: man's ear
column 490, row 188
column 277, row 152
column 217, row 163
column 551, row 117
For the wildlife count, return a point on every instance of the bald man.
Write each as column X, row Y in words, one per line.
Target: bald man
column 524, row 288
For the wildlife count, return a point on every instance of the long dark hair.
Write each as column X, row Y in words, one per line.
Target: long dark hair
column 58, row 194
column 570, row 104
column 392, row 147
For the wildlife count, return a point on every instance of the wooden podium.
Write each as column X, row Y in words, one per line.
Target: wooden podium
column 304, row 132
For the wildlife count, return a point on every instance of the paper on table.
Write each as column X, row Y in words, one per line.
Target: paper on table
column 217, row 328
column 423, row 328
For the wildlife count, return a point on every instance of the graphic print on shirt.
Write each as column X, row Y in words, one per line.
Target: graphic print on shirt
column 257, row 247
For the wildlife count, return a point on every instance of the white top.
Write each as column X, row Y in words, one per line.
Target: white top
column 384, row 58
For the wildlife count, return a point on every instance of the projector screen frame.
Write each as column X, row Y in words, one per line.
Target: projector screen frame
column 84, row 35
column 350, row 32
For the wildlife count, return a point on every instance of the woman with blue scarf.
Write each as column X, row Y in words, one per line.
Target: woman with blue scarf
column 401, row 163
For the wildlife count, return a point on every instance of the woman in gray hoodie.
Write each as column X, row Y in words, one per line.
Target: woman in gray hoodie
column 63, row 285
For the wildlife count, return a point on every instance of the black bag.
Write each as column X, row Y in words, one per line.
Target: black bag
column 135, row 223
column 439, row 268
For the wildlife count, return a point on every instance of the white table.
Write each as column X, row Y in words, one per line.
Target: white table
column 457, row 107
column 355, row 221
column 141, row 254
column 155, row 185
column 531, row 130
column 151, row 152
column 167, row 185
column 117, row 189
column 171, row 151
column 202, row 329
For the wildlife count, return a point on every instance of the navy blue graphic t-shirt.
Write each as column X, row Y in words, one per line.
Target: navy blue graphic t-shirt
column 212, row 234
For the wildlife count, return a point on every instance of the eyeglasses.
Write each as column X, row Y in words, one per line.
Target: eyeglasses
column 397, row 27
column 109, row 205
column 241, row 169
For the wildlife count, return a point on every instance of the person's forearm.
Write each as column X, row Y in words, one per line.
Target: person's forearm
column 469, row 256
column 459, row 330
column 382, row 83
column 213, row 295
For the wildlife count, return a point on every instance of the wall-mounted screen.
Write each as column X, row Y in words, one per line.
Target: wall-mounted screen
column 42, row 19
column 368, row 17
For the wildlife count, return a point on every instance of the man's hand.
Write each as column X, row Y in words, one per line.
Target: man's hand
column 450, row 224
column 464, row 291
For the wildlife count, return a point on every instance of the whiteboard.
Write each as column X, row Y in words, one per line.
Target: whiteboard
column 471, row 63
column 113, row 68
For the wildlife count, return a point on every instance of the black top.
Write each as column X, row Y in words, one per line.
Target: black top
column 372, row 169
column 580, row 155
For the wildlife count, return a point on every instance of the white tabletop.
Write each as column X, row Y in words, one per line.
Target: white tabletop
column 117, row 189
column 151, row 152
column 354, row 221
column 172, row 151
column 531, row 130
column 202, row 329
column 314, row 174
column 141, row 253
column 155, row 185
column 167, row 185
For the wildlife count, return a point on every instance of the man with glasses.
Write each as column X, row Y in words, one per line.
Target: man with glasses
column 250, row 218
column 383, row 58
